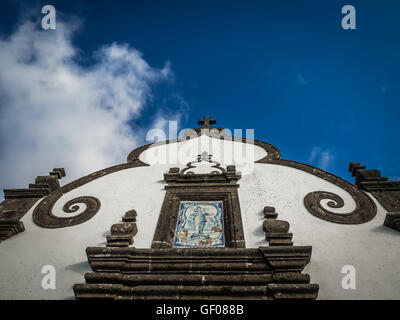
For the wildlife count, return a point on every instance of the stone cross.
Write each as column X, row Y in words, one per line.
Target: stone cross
column 204, row 156
column 207, row 121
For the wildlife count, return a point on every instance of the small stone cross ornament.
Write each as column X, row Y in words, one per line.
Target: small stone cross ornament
column 206, row 122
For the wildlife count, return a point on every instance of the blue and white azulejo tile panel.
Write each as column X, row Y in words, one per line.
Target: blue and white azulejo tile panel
column 200, row 224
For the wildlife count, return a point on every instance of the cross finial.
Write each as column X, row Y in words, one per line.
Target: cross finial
column 204, row 156
column 206, row 122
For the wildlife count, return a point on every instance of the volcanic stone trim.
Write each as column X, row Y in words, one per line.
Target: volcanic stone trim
column 365, row 206
column 386, row 192
column 389, row 199
column 364, row 203
column 276, row 231
column 206, row 122
column 130, row 216
column 43, row 216
column 43, row 186
column 122, row 233
column 18, row 202
column 59, row 172
column 202, row 157
column 269, row 212
column 392, row 220
column 262, row 273
column 46, row 219
column 200, row 187
column 272, row 151
column 364, row 212
column 26, row 193
column 9, row 228
column 371, row 179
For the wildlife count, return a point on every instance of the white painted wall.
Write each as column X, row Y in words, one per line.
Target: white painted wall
column 226, row 152
column 371, row 248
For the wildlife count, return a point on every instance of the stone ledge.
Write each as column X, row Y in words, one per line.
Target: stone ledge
column 9, row 228
column 197, row 273
column 181, row 292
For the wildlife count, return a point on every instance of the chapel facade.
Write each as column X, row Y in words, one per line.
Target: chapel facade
column 204, row 216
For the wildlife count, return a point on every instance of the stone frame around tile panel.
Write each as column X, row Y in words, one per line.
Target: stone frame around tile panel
column 218, row 219
column 233, row 229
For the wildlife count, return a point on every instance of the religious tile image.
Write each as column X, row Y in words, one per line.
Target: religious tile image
column 200, row 224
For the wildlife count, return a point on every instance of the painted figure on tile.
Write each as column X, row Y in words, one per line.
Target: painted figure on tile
column 200, row 224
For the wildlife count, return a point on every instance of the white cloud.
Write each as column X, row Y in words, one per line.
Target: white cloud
column 301, row 80
column 322, row 158
column 54, row 112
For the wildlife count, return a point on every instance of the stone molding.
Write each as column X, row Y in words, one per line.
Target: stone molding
column 43, row 215
column 43, row 186
column 18, row 202
column 365, row 207
column 371, row 180
column 263, row 273
column 9, row 228
column 392, row 220
column 276, row 231
column 200, row 187
column 122, row 233
column 385, row 191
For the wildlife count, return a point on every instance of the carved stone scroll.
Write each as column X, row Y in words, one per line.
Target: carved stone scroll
column 46, row 219
column 365, row 206
column 43, row 215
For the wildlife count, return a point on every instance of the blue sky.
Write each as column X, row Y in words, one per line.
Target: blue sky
column 322, row 95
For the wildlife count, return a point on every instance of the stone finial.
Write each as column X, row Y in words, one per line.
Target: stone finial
column 269, row 212
column 130, row 216
column 59, row 172
column 354, row 166
column 275, row 226
column 50, row 182
column 206, row 122
column 42, row 187
column 276, row 231
column 364, row 175
column 122, row 233
column 174, row 170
